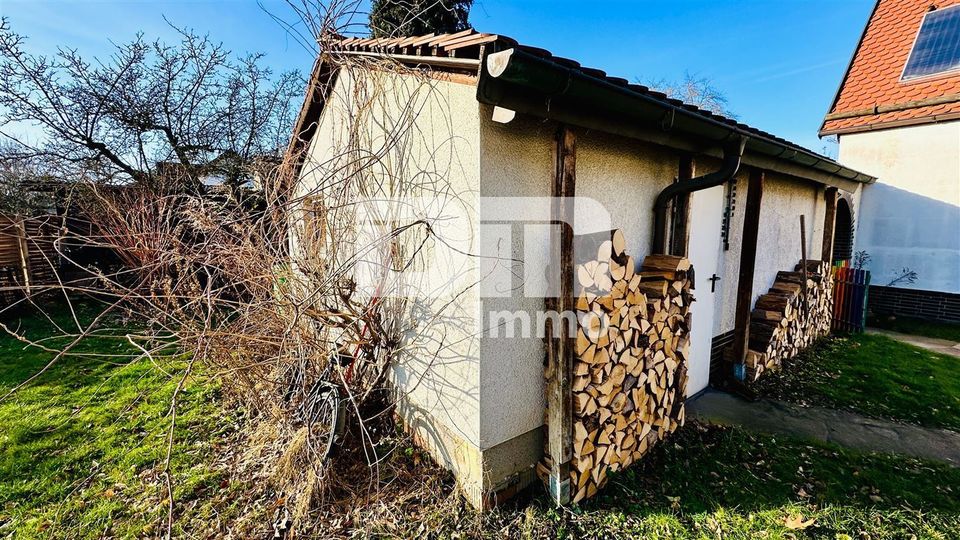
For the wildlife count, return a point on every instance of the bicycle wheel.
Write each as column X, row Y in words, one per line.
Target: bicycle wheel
column 324, row 419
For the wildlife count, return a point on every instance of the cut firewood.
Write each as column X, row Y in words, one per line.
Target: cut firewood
column 779, row 326
column 631, row 348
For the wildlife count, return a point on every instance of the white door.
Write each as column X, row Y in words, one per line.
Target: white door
column 706, row 216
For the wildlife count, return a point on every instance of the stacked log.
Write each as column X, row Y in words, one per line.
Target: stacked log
column 789, row 317
column 630, row 368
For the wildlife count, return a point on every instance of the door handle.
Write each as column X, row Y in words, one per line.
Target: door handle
column 713, row 282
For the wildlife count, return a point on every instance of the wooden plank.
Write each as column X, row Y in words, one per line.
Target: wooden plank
column 24, row 256
column 680, row 230
column 748, row 260
column 829, row 224
column 803, row 262
column 561, row 351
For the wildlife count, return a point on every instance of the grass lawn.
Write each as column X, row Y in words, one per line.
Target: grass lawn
column 916, row 327
column 875, row 376
column 712, row 482
column 82, row 447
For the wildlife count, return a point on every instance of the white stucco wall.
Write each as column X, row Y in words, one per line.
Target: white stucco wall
column 911, row 217
column 620, row 176
column 426, row 135
column 778, row 244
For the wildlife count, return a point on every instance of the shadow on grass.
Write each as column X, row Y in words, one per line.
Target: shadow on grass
column 872, row 375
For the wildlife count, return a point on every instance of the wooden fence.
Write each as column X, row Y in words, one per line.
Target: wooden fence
column 850, row 286
column 28, row 257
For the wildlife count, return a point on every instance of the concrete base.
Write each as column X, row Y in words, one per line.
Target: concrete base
column 486, row 477
column 838, row 427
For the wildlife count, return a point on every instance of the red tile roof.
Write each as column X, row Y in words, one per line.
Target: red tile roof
column 872, row 96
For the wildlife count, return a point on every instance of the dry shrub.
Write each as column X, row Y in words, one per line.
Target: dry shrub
column 258, row 286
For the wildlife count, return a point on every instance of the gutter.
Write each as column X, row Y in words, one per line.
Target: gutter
column 520, row 81
column 732, row 154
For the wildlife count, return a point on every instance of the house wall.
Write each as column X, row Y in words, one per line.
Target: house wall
column 621, row 177
column 472, row 395
column 910, row 218
column 778, row 244
column 425, row 133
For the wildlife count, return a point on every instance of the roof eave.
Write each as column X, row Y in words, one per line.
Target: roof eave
column 537, row 86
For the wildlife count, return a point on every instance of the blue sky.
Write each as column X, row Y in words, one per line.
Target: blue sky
column 778, row 61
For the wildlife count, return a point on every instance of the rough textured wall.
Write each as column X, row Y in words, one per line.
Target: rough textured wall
column 911, row 216
column 425, row 134
column 778, row 244
column 622, row 177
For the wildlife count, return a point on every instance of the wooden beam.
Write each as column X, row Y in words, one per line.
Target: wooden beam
column 24, row 251
column 680, row 222
column 748, row 260
column 829, row 223
column 560, row 346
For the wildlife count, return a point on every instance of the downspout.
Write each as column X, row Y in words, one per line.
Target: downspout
column 732, row 153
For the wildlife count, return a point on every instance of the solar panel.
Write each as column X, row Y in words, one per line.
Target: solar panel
column 937, row 48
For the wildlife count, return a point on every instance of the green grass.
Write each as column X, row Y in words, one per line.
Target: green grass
column 713, row 482
column 82, row 447
column 875, row 376
column 916, row 327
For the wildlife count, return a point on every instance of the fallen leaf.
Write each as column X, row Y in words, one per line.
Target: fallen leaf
column 797, row 522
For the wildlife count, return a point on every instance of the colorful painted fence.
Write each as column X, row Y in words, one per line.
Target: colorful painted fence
column 850, row 286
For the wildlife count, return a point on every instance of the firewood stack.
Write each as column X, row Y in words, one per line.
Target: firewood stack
column 783, row 324
column 630, row 369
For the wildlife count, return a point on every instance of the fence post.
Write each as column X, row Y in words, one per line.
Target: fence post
column 24, row 255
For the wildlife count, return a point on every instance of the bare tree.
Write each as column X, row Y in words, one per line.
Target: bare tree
column 695, row 90
column 147, row 109
column 216, row 279
column 22, row 183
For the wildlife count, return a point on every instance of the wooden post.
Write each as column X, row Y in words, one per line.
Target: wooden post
column 803, row 262
column 748, row 260
column 560, row 342
column 829, row 223
column 680, row 224
column 24, row 255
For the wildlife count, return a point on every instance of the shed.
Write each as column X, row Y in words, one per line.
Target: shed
column 518, row 159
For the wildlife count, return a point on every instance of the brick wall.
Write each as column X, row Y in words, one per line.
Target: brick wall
column 930, row 305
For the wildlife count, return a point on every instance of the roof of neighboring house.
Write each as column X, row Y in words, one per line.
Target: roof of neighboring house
column 549, row 82
column 872, row 94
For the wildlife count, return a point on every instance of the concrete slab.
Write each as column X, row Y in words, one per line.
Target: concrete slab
column 828, row 425
column 944, row 346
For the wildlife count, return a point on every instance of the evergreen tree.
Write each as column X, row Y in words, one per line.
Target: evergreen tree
column 393, row 18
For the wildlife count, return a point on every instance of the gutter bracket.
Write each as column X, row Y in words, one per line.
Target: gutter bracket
column 666, row 124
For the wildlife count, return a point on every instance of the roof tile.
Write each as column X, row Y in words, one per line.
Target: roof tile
column 873, row 77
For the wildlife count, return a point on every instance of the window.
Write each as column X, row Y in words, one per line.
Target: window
column 937, row 47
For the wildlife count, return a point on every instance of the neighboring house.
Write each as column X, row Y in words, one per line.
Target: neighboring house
column 897, row 117
column 488, row 112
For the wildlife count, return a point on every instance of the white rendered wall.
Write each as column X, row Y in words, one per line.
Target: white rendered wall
column 785, row 198
column 621, row 176
column 910, row 218
column 438, row 373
